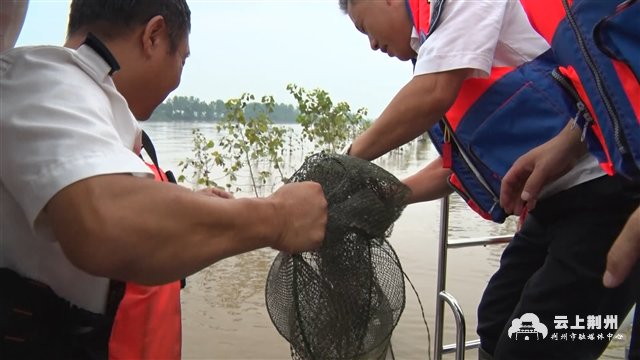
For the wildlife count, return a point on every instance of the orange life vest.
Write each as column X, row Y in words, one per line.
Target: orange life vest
column 147, row 323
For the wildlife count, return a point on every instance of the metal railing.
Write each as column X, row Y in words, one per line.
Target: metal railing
column 443, row 296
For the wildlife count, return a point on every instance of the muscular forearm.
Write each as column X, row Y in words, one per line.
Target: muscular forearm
column 429, row 183
column 414, row 110
column 134, row 229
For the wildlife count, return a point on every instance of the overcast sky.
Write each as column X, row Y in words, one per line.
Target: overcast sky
column 260, row 46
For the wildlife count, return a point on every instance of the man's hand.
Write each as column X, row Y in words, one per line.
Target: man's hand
column 302, row 210
column 624, row 253
column 215, row 192
column 542, row 165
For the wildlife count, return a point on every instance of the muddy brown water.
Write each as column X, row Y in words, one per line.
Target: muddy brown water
column 224, row 313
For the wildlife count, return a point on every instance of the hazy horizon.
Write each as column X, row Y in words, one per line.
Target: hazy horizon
column 260, row 46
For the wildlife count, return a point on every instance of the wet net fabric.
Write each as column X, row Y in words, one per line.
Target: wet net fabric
column 343, row 300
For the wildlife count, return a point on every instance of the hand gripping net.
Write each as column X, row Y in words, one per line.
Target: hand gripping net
column 343, row 300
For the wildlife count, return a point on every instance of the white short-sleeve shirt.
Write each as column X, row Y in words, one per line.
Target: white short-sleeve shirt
column 481, row 34
column 61, row 120
column 478, row 35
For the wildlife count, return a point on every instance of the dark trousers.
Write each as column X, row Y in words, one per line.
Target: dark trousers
column 553, row 268
column 36, row 324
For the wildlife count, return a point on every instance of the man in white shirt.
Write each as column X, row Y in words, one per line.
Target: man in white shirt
column 78, row 206
column 553, row 265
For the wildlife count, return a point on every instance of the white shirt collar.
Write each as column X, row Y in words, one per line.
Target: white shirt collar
column 93, row 63
column 415, row 40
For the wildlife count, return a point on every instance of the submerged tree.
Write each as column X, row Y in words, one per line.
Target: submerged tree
column 201, row 165
column 324, row 124
column 251, row 141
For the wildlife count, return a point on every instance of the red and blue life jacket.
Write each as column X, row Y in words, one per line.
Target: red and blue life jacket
column 598, row 44
column 495, row 120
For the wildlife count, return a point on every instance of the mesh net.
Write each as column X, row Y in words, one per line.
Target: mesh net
column 343, row 300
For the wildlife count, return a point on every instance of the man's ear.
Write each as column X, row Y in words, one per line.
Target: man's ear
column 154, row 33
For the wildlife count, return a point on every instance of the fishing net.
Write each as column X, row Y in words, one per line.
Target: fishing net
column 343, row 300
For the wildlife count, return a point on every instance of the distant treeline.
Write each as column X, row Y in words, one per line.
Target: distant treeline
column 192, row 108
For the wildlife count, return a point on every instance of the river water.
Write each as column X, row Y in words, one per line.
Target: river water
column 224, row 313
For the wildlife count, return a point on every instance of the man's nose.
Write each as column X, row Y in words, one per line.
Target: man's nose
column 374, row 44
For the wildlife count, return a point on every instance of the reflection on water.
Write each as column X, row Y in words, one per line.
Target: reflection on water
column 224, row 312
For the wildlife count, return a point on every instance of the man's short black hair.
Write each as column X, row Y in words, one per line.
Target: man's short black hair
column 109, row 19
column 344, row 5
